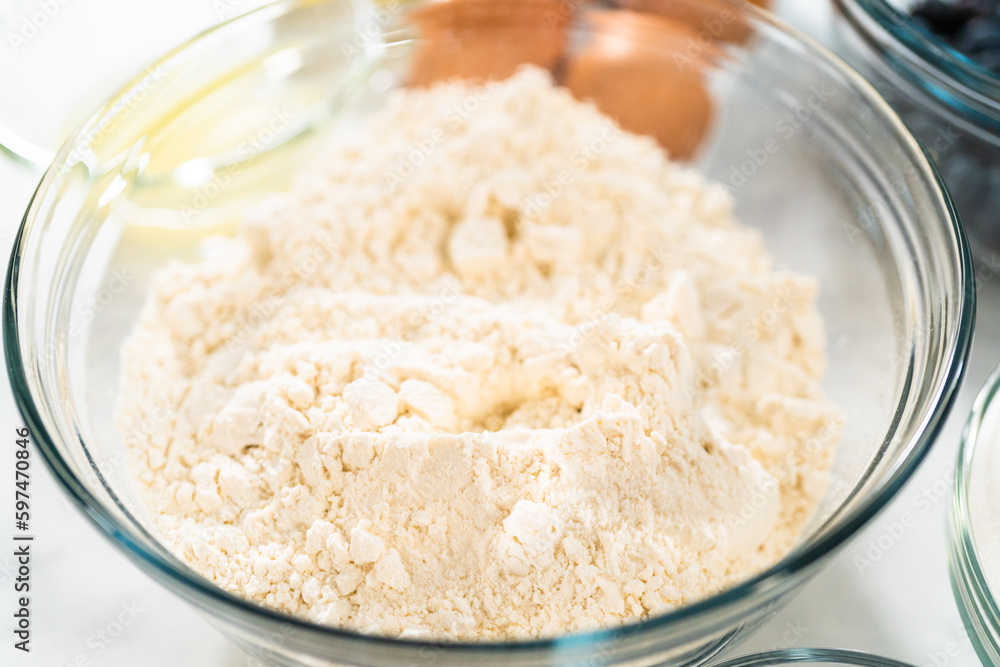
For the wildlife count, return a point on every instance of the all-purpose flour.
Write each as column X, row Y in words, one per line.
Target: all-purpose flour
column 490, row 370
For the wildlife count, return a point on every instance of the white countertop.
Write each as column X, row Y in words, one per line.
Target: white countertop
column 896, row 602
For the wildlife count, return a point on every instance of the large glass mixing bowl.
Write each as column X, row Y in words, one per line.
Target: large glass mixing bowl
column 814, row 159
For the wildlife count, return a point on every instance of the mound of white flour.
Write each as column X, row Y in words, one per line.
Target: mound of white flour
column 492, row 369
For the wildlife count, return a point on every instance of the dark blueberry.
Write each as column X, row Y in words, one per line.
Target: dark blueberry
column 979, row 34
column 925, row 24
column 942, row 18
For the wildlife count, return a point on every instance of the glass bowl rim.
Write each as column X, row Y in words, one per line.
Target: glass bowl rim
column 800, row 560
column 948, row 63
column 969, row 581
column 809, row 655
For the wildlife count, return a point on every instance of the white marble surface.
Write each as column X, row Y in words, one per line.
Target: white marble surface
column 901, row 606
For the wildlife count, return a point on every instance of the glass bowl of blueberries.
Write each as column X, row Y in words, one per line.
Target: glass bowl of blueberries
column 938, row 63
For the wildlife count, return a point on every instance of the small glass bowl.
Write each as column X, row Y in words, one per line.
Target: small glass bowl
column 814, row 158
column 974, row 556
column 950, row 103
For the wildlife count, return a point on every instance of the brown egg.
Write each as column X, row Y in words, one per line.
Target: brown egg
column 487, row 39
column 713, row 19
column 647, row 72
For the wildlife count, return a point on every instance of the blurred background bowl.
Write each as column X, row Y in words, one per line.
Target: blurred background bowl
column 814, row 159
column 974, row 525
column 949, row 102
